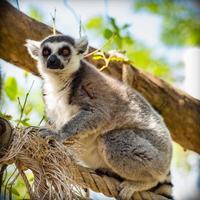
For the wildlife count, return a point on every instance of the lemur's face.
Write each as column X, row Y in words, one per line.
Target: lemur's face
column 57, row 52
column 56, row 55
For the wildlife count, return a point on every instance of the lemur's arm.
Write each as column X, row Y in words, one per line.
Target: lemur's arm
column 86, row 120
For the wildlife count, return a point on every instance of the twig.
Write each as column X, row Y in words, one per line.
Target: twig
column 106, row 60
column 54, row 21
column 24, row 105
column 80, row 28
column 23, row 175
column 43, row 117
column 6, row 185
column 76, row 16
column 17, row 2
column 97, row 50
column 20, row 105
column 3, row 168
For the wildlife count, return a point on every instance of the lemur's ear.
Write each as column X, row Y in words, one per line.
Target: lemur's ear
column 33, row 48
column 82, row 45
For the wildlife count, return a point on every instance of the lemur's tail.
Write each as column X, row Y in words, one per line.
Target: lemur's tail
column 164, row 188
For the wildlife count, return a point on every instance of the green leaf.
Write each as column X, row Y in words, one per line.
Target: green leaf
column 26, row 74
column 5, row 116
column 35, row 13
column 95, row 23
column 11, row 88
column 107, row 33
column 114, row 25
column 97, row 57
column 15, row 192
column 28, row 108
column 118, row 59
column 128, row 40
column 153, row 7
column 24, row 122
column 118, row 42
column 125, row 26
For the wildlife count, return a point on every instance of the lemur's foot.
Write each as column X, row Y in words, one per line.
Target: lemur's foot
column 126, row 190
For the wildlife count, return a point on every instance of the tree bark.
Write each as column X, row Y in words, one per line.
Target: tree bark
column 180, row 111
column 5, row 135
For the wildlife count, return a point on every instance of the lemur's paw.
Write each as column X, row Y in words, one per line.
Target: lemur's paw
column 126, row 191
column 48, row 134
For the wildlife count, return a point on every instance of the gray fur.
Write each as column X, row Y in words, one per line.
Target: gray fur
column 115, row 127
column 58, row 38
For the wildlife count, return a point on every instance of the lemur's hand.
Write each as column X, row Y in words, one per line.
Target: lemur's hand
column 48, row 134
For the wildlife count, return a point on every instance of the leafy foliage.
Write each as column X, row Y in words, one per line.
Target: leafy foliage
column 118, row 37
column 181, row 24
column 95, row 23
column 14, row 184
column 35, row 13
column 11, row 88
column 26, row 108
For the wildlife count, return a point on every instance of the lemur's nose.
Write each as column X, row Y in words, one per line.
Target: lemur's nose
column 53, row 59
column 54, row 62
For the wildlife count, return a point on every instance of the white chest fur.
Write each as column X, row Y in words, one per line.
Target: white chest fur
column 57, row 107
column 87, row 152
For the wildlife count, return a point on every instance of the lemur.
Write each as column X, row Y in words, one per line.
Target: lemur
column 118, row 131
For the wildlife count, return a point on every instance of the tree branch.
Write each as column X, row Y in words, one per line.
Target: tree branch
column 180, row 111
column 5, row 135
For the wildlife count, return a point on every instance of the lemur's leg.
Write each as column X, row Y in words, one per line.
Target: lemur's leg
column 133, row 158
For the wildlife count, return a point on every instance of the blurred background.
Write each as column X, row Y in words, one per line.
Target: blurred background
column 158, row 36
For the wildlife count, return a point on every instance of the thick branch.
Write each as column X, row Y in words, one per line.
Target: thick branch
column 5, row 135
column 180, row 111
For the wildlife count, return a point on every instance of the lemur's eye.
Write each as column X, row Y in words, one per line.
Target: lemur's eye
column 46, row 51
column 65, row 51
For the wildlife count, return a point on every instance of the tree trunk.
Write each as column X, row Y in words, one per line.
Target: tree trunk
column 180, row 111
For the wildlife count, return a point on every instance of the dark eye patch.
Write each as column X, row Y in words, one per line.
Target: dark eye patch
column 46, row 51
column 64, row 51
